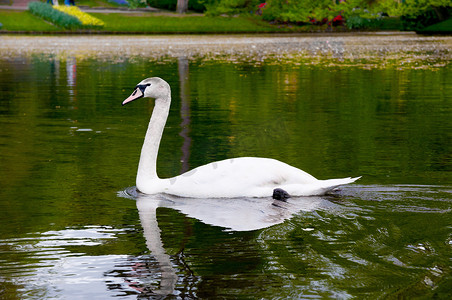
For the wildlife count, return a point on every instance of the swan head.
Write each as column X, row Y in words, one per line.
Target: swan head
column 153, row 87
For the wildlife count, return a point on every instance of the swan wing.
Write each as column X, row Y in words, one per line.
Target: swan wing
column 238, row 177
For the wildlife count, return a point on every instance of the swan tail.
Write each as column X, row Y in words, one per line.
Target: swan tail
column 320, row 187
column 330, row 184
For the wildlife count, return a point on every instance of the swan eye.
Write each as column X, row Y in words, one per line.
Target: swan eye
column 142, row 87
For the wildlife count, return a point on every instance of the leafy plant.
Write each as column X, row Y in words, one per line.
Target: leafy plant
column 54, row 16
column 417, row 14
column 303, row 11
column 200, row 5
column 230, row 7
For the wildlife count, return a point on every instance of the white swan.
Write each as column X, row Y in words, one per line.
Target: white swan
column 230, row 178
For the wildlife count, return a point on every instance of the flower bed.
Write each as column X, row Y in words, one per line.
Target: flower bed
column 46, row 11
column 86, row 19
column 69, row 17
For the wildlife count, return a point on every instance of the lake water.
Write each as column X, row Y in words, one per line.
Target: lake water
column 73, row 227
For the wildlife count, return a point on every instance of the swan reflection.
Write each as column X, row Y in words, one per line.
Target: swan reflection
column 148, row 218
column 234, row 214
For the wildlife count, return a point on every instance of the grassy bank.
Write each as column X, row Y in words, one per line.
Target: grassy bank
column 444, row 27
column 155, row 23
column 24, row 21
column 174, row 24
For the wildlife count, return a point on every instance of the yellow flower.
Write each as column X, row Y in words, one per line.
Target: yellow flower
column 85, row 18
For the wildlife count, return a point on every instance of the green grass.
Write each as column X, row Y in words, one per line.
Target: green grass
column 146, row 23
column 442, row 27
column 24, row 21
column 151, row 23
column 191, row 24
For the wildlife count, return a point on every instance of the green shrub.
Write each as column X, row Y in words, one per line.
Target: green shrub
column 136, row 3
column 442, row 27
column 54, row 16
column 201, row 5
column 417, row 20
column 357, row 22
column 230, row 7
column 301, row 11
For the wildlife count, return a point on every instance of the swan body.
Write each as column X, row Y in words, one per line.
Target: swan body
column 230, row 178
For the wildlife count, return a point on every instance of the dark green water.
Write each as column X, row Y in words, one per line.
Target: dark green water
column 69, row 229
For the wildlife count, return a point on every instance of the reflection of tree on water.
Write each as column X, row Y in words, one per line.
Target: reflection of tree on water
column 184, row 112
column 71, row 69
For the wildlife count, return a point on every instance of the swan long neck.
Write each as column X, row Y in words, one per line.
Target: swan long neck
column 147, row 168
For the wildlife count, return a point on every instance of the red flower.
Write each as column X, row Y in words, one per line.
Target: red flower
column 338, row 18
